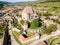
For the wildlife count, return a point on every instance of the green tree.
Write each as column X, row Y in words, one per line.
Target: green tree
column 2, row 29
column 22, row 22
column 39, row 14
column 15, row 22
column 19, row 27
column 56, row 21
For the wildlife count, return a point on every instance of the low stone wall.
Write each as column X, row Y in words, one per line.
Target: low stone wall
column 33, row 31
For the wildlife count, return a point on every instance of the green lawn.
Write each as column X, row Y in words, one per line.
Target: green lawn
column 2, row 29
column 49, row 6
column 56, row 39
column 16, row 36
column 40, row 28
column 42, row 32
column 29, row 34
column 48, row 40
column 16, row 33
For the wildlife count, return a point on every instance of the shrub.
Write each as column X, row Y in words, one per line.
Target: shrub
column 50, row 29
column 22, row 22
column 15, row 22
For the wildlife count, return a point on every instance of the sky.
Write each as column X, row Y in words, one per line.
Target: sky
column 16, row 0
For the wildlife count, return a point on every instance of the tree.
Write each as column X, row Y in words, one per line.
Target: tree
column 56, row 21
column 2, row 28
column 19, row 27
column 15, row 22
column 34, row 23
column 22, row 22
column 39, row 14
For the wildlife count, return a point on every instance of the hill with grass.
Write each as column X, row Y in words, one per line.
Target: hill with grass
column 2, row 3
column 48, row 0
column 49, row 5
column 53, row 0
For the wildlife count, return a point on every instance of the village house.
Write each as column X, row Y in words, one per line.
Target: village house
column 6, row 10
column 54, row 17
column 31, row 38
column 29, row 13
column 48, row 22
column 1, row 20
column 18, row 7
column 42, row 43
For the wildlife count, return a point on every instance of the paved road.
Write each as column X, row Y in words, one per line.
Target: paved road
column 13, row 41
column 1, row 41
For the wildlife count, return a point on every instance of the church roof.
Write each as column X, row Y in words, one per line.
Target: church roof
column 29, row 10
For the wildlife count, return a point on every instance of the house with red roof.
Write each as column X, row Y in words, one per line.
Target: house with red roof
column 27, row 39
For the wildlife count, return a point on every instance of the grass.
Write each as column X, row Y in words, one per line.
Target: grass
column 27, row 43
column 42, row 32
column 48, row 6
column 40, row 28
column 29, row 34
column 48, row 40
column 55, row 41
column 1, row 36
column 2, row 29
column 15, row 34
column 59, row 36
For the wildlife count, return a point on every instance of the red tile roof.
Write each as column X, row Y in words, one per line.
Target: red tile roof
column 25, row 39
column 28, row 10
column 41, row 43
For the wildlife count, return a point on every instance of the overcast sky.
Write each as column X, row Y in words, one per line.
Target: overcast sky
column 16, row 0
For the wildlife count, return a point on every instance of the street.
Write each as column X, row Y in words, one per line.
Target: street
column 13, row 41
column 46, row 37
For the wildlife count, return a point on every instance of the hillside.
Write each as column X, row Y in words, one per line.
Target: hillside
column 50, row 6
column 49, row 0
column 2, row 3
column 53, row 0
